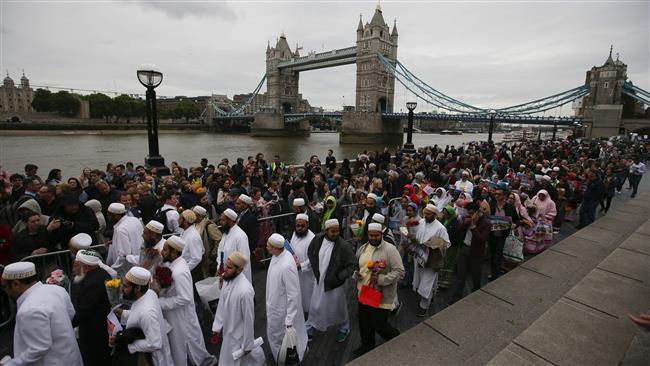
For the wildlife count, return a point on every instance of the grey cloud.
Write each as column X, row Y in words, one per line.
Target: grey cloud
column 180, row 9
column 4, row 30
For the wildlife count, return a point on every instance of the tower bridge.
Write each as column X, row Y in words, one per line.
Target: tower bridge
column 609, row 104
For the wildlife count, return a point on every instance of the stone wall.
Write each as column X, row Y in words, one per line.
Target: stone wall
column 603, row 120
column 370, row 128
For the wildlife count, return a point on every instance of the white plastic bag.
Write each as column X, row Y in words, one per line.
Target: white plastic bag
column 208, row 290
column 513, row 249
column 288, row 354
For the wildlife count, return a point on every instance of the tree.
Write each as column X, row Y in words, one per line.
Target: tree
column 101, row 106
column 123, row 107
column 186, row 109
column 42, row 101
column 65, row 103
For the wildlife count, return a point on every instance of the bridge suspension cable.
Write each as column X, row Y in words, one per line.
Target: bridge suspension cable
column 636, row 93
column 238, row 111
column 434, row 97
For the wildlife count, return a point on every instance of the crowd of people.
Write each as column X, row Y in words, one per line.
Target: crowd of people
column 422, row 221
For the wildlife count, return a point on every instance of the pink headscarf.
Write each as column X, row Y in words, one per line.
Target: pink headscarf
column 545, row 209
column 521, row 210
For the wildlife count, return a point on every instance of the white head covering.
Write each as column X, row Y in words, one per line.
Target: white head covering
column 374, row 227
column 117, row 208
column 299, row 202
column 230, row 214
column 371, row 195
column 87, row 257
column 189, row 216
column 244, row 198
column 431, row 208
column 276, row 240
column 81, row 241
column 546, row 177
column 155, row 226
column 556, row 168
column 176, row 242
column 302, row 217
column 379, row 218
column 199, row 210
column 19, row 270
column 238, row 259
column 331, row 223
column 138, row 276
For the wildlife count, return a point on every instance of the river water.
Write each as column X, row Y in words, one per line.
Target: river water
column 70, row 151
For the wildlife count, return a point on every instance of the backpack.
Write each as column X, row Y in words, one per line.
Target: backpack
column 161, row 217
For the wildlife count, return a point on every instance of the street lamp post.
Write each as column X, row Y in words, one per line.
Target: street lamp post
column 576, row 125
column 408, row 146
column 555, row 121
column 150, row 77
column 492, row 114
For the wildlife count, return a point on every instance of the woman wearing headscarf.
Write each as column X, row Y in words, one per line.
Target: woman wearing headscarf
column 330, row 212
column 440, row 198
column 409, row 192
column 459, row 206
column 450, row 222
column 544, row 213
column 96, row 206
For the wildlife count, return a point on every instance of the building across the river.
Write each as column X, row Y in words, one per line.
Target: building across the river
column 16, row 98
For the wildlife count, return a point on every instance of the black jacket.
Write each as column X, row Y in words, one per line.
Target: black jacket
column 248, row 223
column 84, row 220
column 342, row 262
column 92, row 307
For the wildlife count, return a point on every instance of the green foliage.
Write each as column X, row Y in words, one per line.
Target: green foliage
column 101, row 106
column 186, row 109
column 65, row 103
column 42, row 100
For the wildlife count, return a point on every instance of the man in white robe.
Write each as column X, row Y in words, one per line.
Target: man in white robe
column 145, row 314
column 127, row 238
column 332, row 262
column 177, row 304
column 235, row 316
column 425, row 280
column 43, row 333
column 234, row 239
column 283, row 301
column 300, row 241
column 193, row 252
column 153, row 243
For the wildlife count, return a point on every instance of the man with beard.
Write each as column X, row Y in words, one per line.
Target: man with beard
column 385, row 280
column 153, row 243
column 425, row 279
column 332, row 262
column 235, row 316
column 177, row 305
column 299, row 207
column 193, row 251
column 283, row 303
column 127, row 237
column 369, row 210
column 300, row 241
column 145, row 314
column 91, row 308
column 234, row 239
column 246, row 220
column 210, row 236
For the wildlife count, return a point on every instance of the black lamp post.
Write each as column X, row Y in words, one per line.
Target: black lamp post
column 555, row 121
column 576, row 125
column 150, row 77
column 408, row 146
column 492, row 114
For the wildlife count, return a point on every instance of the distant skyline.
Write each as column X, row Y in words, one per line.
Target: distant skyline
column 490, row 54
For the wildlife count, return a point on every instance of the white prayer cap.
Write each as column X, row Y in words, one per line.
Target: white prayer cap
column 81, row 241
column 244, row 198
column 238, row 259
column 379, row 218
column 117, row 208
column 176, row 242
column 19, row 270
column 138, row 276
column 331, row 223
column 189, row 216
column 372, row 195
column 302, row 217
column 199, row 210
column 299, row 202
column 522, row 166
column 374, row 227
column 546, row 177
column 230, row 214
column 556, row 169
column 87, row 257
column 155, row 226
column 276, row 240
column 431, row 208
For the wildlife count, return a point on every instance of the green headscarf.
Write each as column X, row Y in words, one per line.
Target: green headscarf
column 328, row 211
column 452, row 215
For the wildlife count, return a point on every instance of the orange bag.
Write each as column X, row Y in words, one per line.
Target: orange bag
column 370, row 296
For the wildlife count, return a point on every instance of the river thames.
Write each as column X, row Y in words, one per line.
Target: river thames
column 71, row 151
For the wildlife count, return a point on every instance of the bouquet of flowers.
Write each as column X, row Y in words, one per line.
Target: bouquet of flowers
column 375, row 267
column 163, row 277
column 58, row 277
column 113, row 290
column 356, row 226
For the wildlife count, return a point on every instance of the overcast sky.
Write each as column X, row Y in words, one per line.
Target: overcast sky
column 486, row 53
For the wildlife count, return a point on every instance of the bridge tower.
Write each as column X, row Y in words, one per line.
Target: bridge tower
column 375, row 86
column 602, row 108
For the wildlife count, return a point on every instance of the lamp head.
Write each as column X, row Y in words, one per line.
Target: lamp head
column 411, row 105
column 149, row 75
column 492, row 113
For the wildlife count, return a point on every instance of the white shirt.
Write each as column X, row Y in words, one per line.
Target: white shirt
column 127, row 239
column 235, row 240
column 43, row 335
column 172, row 218
column 306, row 275
column 193, row 251
column 465, row 186
column 331, row 307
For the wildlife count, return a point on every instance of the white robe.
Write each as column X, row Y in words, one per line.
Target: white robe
column 425, row 279
column 327, row 308
column 172, row 219
column 43, row 333
column 177, row 305
column 145, row 314
column 306, row 275
column 127, row 239
column 283, row 303
column 193, row 251
column 235, row 241
column 235, row 319
column 465, row 186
